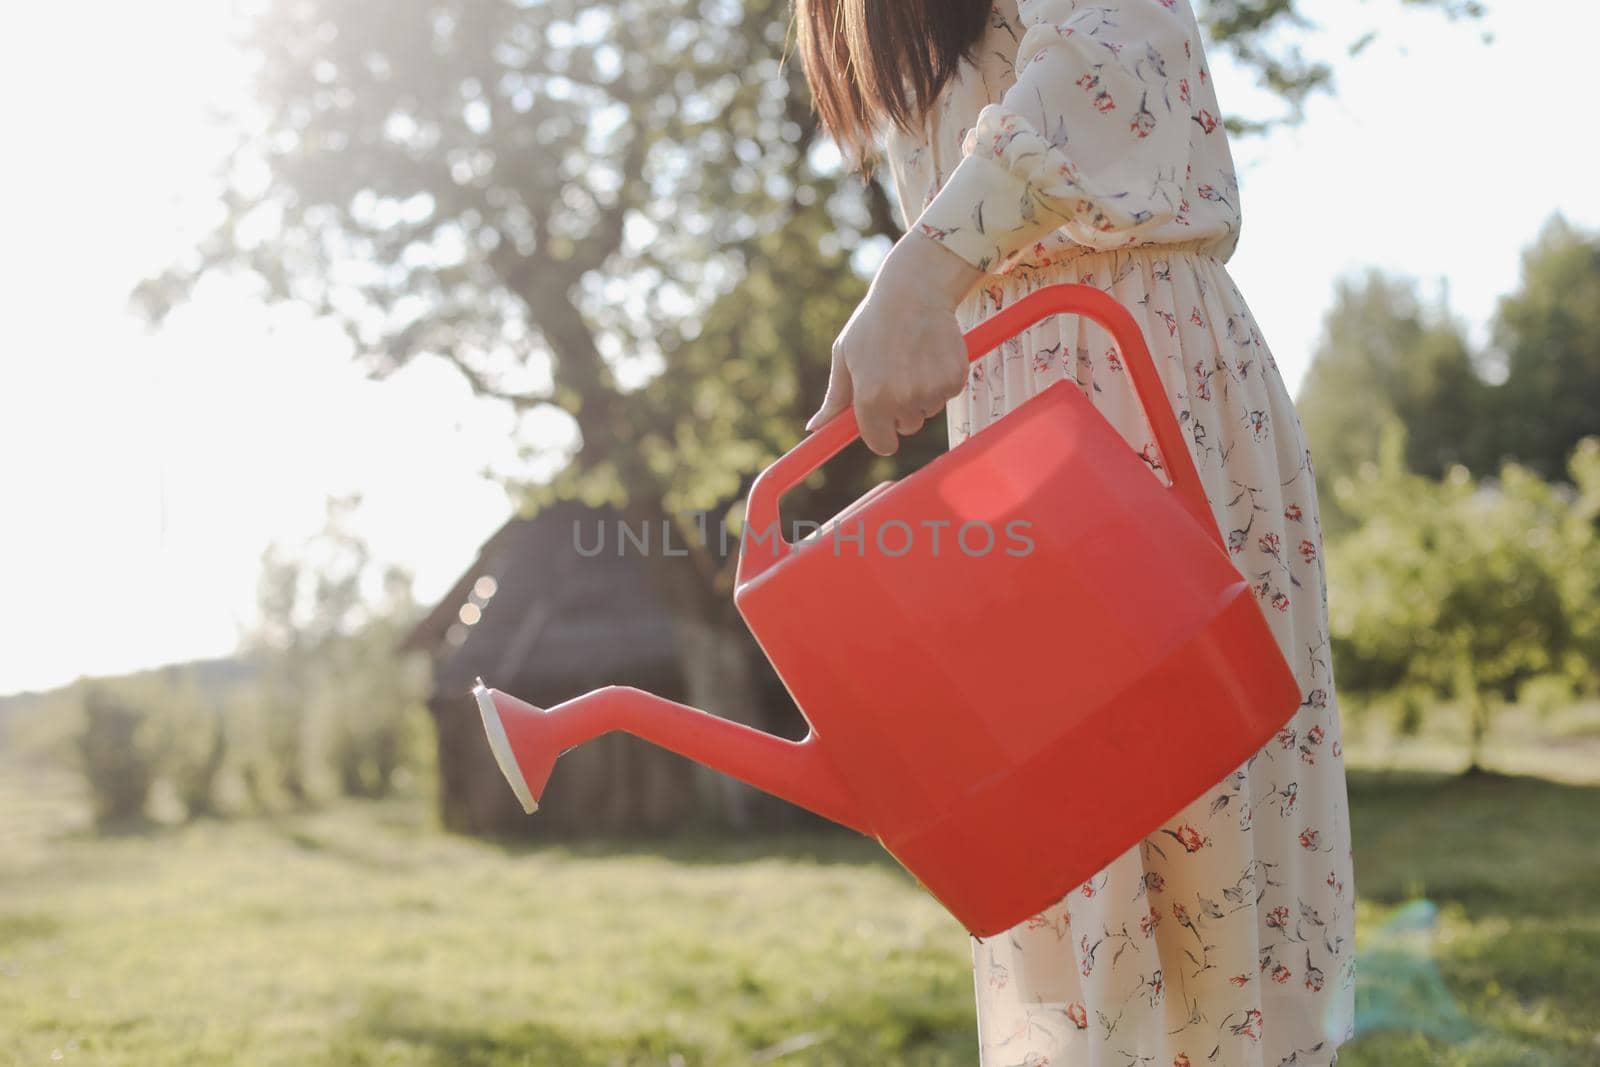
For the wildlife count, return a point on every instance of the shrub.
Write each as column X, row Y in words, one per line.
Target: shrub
column 119, row 756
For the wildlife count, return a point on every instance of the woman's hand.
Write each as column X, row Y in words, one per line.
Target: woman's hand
column 901, row 357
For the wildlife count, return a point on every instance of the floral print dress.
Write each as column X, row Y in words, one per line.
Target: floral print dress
column 1085, row 145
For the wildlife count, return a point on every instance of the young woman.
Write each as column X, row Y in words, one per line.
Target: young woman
column 1033, row 142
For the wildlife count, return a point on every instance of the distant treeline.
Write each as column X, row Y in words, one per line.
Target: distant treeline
column 1460, row 490
column 318, row 705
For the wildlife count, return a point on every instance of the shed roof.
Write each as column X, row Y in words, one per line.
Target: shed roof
column 541, row 606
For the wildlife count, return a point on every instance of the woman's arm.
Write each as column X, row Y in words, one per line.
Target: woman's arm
column 901, row 355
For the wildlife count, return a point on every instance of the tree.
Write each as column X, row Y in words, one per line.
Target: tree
column 277, row 757
column 1579, row 535
column 1384, row 359
column 1547, row 335
column 1261, row 36
column 332, row 709
column 1458, row 590
column 195, row 740
column 118, row 754
column 619, row 212
column 366, row 701
column 135, row 730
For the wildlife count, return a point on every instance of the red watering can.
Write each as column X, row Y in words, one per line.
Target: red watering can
column 1016, row 662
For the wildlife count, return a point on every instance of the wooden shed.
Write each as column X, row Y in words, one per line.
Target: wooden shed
column 542, row 615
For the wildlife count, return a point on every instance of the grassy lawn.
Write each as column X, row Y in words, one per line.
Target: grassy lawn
column 359, row 936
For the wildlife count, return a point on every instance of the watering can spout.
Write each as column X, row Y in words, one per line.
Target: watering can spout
column 526, row 741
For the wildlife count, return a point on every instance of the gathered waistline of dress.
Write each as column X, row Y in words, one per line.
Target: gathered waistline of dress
column 1203, row 247
column 1026, row 277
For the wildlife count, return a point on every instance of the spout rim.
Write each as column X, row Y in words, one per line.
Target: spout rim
column 500, row 745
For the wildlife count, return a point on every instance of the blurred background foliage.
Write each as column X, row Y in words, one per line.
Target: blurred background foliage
column 1529, row 397
column 1468, row 480
column 318, row 706
column 1476, row 593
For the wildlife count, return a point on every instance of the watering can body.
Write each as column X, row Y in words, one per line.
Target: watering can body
column 1016, row 662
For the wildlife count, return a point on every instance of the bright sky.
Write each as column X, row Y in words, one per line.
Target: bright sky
column 142, row 475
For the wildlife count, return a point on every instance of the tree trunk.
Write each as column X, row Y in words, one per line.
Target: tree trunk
column 200, row 789
column 1480, row 711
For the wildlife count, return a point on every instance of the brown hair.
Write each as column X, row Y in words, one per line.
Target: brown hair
column 868, row 61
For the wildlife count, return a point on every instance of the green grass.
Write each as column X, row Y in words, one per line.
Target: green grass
column 359, row 936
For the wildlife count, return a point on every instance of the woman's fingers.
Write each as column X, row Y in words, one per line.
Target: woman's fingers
column 908, row 422
column 888, row 410
column 876, row 421
column 838, row 396
column 874, row 413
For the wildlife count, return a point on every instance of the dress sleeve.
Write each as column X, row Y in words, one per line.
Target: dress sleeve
column 1093, row 136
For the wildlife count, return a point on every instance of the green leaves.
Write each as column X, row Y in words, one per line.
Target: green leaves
column 1462, row 589
column 1548, row 335
column 1530, row 398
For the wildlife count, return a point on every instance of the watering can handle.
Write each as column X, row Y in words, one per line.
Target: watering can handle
column 761, row 511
